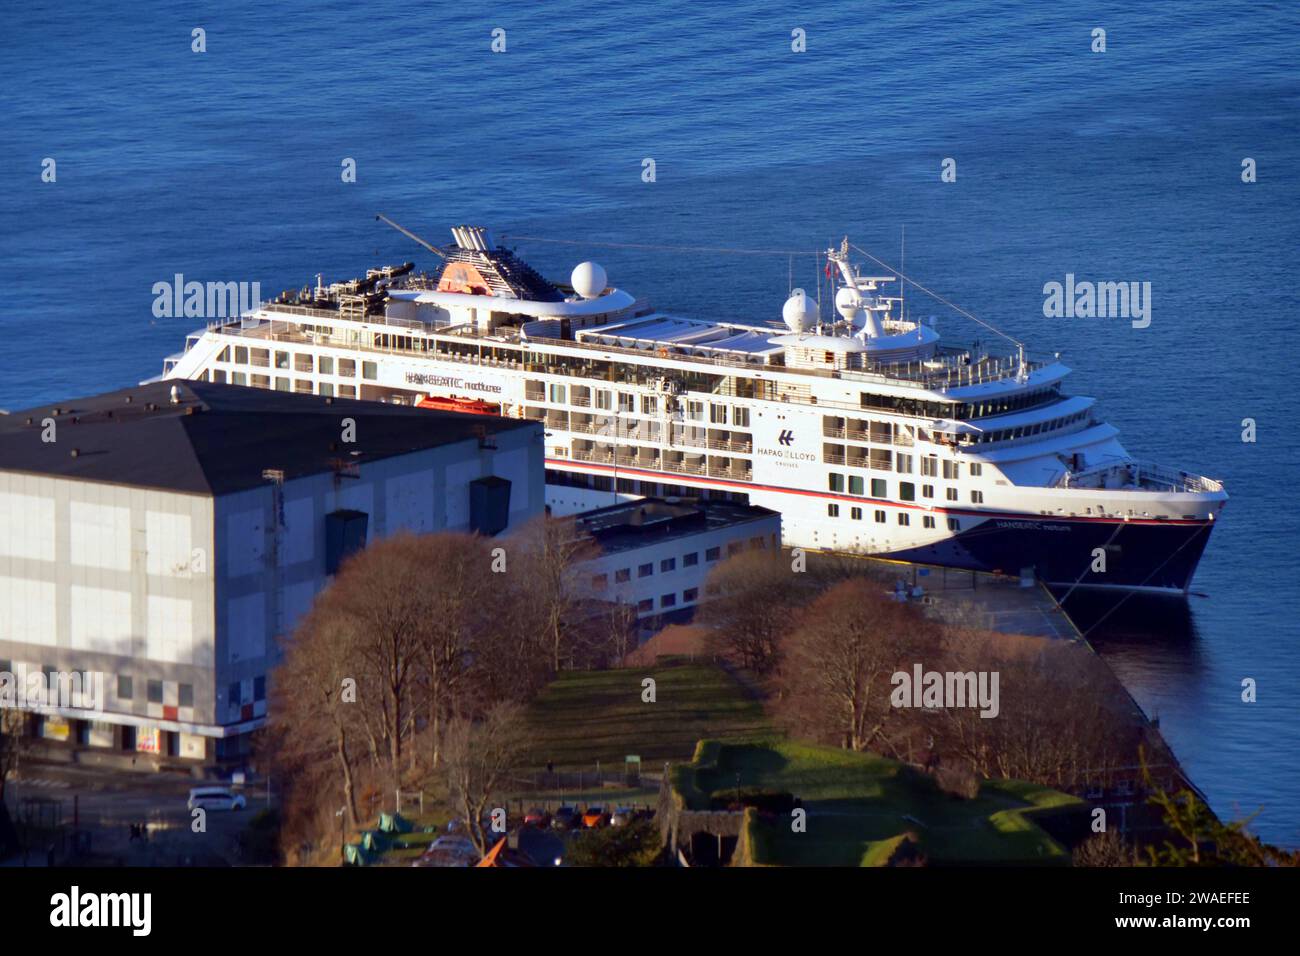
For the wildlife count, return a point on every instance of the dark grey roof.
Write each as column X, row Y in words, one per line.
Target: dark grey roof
column 634, row 524
column 220, row 438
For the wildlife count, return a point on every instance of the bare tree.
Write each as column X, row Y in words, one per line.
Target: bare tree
column 551, row 550
column 751, row 598
column 839, row 659
column 12, row 743
column 478, row 756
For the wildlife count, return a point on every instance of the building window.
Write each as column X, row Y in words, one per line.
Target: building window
column 833, row 511
column 903, row 518
column 690, row 594
column 952, row 494
column 259, row 688
column 234, row 694
column 855, row 484
column 599, row 582
column 878, row 488
column 645, row 570
column 668, row 600
column 712, row 554
column 345, row 534
column 954, row 524
column 977, row 497
column 645, row 606
column 124, row 689
column 691, row 560
column 155, row 691
column 185, row 695
column 906, row 491
column 622, row 575
column 927, row 521
column 757, row 544
column 880, row 516
column 667, row 564
column 855, row 514
column 734, row 548
column 837, row 482
column 976, row 469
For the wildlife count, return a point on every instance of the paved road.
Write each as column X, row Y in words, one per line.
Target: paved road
column 107, row 802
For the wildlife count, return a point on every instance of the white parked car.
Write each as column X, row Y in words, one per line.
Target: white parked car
column 215, row 798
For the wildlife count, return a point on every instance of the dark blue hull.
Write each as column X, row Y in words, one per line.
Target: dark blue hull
column 1138, row 555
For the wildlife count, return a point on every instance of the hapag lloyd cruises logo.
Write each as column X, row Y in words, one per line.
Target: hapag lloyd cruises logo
column 785, row 440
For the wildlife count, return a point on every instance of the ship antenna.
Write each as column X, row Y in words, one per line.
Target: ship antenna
column 410, row 235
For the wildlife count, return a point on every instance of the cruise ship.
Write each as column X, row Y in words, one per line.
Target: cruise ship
column 866, row 432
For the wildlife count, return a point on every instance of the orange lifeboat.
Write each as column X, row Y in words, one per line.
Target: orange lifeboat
column 472, row 406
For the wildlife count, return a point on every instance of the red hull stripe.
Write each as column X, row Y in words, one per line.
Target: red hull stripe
column 667, row 479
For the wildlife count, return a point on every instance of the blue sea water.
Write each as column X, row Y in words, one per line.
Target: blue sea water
column 1123, row 165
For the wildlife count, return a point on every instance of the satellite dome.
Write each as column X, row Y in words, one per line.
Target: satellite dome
column 847, row 302
column 799, row 312
column 588, row 279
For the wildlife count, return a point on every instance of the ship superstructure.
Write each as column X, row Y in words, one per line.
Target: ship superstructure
column 864, row 430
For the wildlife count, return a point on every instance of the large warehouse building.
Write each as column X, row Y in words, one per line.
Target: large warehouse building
column 164, row 535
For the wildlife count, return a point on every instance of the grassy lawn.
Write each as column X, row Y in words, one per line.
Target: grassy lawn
column 859, row 804
column 589, row 716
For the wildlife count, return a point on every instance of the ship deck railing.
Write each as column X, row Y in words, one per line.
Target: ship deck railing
column 957, row 367
column 1139, row 475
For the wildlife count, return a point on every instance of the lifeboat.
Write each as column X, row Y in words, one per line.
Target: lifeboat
column 472, row 406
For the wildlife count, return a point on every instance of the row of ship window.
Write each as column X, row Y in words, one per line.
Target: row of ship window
column 904, row 519
column 856, row 485
column 557, row 394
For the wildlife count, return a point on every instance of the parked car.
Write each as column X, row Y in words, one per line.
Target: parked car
column 593, row 817
column 566, row 818
column 621, row 817
column 537, row 817
column 450, row 849
column 215, row 798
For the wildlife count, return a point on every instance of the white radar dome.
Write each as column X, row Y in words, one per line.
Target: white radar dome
column 847, row 302
column 588, row 279
column 799, row 312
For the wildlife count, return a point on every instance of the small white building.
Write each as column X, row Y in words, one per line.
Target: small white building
column 164, row 536
column 655, row 554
